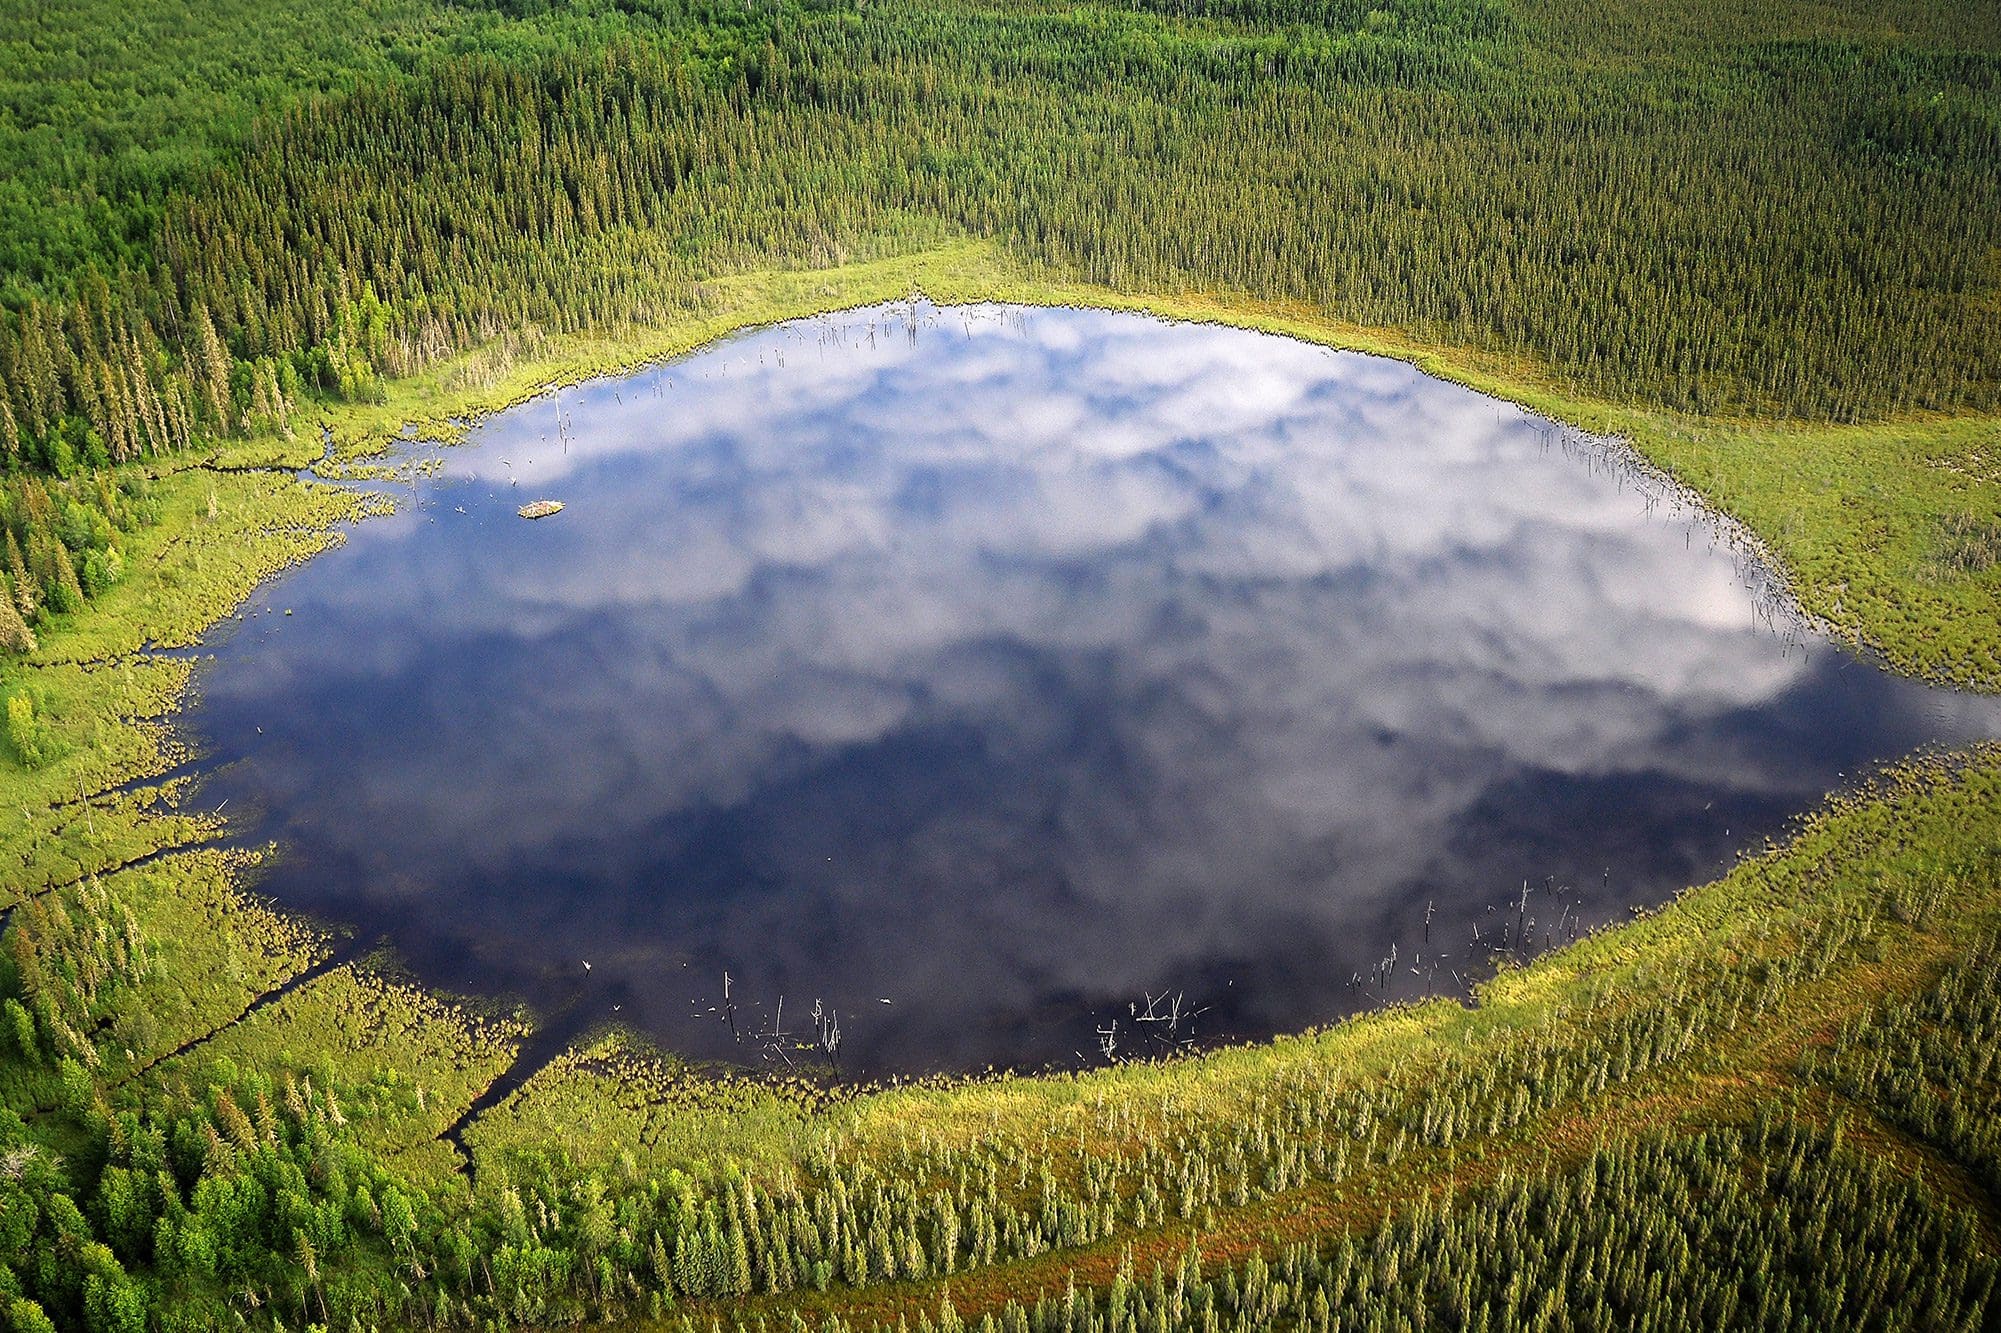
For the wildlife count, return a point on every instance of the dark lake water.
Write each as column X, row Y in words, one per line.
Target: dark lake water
column 980, row 673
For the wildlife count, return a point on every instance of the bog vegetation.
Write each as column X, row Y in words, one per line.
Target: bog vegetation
column 1654, row 1125
column 1731, row 229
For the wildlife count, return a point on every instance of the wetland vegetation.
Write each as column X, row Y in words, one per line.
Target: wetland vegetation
column 985, row 678
column 1757, row 244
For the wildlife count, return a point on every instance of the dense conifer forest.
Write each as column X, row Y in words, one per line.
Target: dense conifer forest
column 1773, row 1105
column 1774, row 224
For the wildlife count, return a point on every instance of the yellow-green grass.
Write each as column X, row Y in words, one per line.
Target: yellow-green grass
column 211, row 952
column 105, row 700
column 1929, row 829
column 1879, row 529
column 406, row 1063
column 1909, row 872
column 612, row 1102
column 1889, row 534
column 221, row 533
column 97, row 836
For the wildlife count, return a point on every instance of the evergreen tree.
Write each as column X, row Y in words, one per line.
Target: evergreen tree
column 15, row 636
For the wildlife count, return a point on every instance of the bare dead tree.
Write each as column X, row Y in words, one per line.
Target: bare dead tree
column 774, row 1038
column 830, row 1040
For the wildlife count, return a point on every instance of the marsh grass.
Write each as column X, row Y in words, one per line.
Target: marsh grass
column 1968, row 545
column 1857, row 862
column 1705, row 1005
column 409, row 1061
column 1844, row 514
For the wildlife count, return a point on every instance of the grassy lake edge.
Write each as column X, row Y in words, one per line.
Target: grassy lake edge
column 1904, row 871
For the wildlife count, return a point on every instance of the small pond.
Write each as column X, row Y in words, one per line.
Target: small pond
column 984, row 674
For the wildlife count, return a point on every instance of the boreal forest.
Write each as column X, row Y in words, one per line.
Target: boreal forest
column 242, row 244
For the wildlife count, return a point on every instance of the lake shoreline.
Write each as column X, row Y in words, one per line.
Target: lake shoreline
column 227, row 530
column 442, row 404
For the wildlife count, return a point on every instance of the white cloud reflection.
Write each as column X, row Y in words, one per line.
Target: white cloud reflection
column 1036, row 659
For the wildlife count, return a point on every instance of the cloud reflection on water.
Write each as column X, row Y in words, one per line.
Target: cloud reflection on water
column 1010, row 670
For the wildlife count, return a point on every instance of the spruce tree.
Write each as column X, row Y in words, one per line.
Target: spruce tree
column 15, row 636
column 26, row 592
column 211, row 364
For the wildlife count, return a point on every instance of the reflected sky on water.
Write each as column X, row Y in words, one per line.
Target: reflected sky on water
column 1012, row 666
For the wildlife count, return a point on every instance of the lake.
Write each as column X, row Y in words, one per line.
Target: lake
column 989, row 677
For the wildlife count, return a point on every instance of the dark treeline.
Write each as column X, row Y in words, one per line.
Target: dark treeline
column 108, row 106
column 1794, row 228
